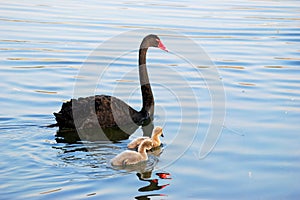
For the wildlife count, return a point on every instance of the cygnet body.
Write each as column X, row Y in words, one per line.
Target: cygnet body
column 157, row 132
column 132, row 157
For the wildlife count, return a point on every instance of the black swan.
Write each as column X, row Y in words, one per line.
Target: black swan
column 108, row 111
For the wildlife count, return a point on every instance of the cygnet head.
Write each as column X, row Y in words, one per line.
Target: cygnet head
column 147, row 144
column 158, row 131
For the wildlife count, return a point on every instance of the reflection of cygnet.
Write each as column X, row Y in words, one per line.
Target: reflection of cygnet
column 132, row 157
column 154, row 137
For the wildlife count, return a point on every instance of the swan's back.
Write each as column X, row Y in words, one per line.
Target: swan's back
column 105, row 110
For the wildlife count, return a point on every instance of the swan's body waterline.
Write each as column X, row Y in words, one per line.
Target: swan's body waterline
column 109, row 111
column 132, row 157
column 157, row 132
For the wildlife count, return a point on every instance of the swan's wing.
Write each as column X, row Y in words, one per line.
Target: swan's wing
column 136, row 142
column 112, row 112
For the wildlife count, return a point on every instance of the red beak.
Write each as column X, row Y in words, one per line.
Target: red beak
column 162, row 46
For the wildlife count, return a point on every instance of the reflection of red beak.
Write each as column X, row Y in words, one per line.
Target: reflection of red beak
column 164, row 175
column 162, row 46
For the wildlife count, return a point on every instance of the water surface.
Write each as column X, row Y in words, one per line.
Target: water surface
column 253, row 44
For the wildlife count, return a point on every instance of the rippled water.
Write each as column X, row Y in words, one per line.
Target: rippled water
column 253, row 44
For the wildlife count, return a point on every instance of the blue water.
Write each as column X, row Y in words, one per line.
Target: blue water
column 254, row 46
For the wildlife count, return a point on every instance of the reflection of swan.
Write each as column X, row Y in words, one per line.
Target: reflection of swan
column 132, row 157
column 152, row 186
column 154, row 137
column 111, row 111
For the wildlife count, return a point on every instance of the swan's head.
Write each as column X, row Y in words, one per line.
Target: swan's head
column 158, row 131
column 146, row 144
column 153, row 41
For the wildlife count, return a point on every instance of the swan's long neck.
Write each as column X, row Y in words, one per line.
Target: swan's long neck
column 142, row 151
column 148, row 100
column 156, row 140
column 155, row 137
